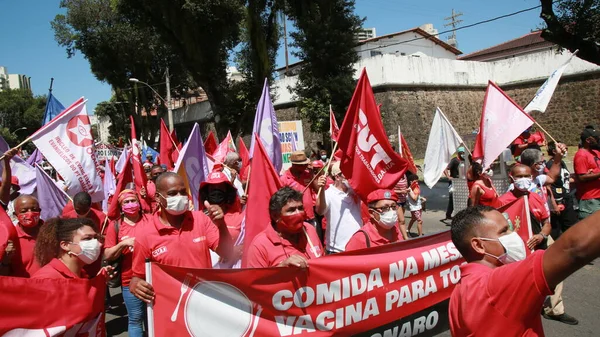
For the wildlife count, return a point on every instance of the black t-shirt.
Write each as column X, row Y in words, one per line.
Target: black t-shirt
column 453, row 167
column 559, row 188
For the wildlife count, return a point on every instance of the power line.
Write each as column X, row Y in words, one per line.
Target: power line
column 458, row 28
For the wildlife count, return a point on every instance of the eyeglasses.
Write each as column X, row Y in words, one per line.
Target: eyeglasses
column 386, row 208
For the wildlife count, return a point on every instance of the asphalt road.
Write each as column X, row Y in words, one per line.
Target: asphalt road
column 581, row 296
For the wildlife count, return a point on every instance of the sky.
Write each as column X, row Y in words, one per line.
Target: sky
column 27, row 44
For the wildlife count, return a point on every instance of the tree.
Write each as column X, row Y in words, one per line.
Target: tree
column 325, row 39
column 573, row 24
column 20, row 109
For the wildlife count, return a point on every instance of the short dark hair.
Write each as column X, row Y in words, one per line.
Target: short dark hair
column 411, row 177
column 155, row 166
column 82, row 199
column 164, row 176
column 477, row 168
column 282, row 197
column 463, row 224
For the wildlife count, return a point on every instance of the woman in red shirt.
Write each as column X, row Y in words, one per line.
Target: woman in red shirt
column 64, row 246
column 483, row 191
column 120, row 237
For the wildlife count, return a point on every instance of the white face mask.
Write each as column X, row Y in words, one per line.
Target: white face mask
column 514, row 248
column 177, row 205
column 523, row 184
column 540, row 169
column 388, row 219
column 90, row 250
column 346, row 183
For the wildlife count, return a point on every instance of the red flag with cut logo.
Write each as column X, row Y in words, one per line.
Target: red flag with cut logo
column 211, row 143
column 518, row 217
column 245, row 157
column 334, row 129
column 264, row 182
column 368, row 160
column 52, row 307
column 167, row 146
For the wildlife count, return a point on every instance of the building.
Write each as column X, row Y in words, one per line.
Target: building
column 13, row 81
column 3, row 78
column 365, row 34
column 527, row 44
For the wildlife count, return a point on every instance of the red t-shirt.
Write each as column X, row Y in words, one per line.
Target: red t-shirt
column 23, row 262
column 55, row 269
column 583, row 162
column 299, row 184
column 126, row 231
column 503, row 301
column 95, row 215
column 537, row 206
column 233, row 220
column 268, row 249
column 359, row 240
column 185, row 247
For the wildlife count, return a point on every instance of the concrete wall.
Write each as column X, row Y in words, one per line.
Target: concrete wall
column 401, row 45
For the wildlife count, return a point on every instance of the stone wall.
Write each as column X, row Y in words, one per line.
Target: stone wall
column 575, row 104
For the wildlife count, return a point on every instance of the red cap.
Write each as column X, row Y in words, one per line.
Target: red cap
column 381, row 194
column 317, row 164
column 214, row 178
column 14, row 180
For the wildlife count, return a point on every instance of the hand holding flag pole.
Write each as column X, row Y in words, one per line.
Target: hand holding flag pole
column 326, row 168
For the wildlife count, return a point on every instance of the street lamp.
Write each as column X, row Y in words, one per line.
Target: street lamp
column 166, row 101
column 14, row 133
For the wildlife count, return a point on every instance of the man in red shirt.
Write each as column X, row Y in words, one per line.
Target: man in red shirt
column 82, row 208
column 176, row 236
column 587, row 168
column 501, row 293
column 298, row 177
column 288, row 240
column 528, row 140
column 382, row 227
column 218, row 190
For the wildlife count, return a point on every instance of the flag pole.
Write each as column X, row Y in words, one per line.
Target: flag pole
column 149, row 306
column 544, row 130
column 326, row 168
column 248, row 181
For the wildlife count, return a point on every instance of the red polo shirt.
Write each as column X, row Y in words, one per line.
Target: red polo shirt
column 233, row 220
column 23, row 263
column 359, row 240
column 583, row 162
column 57, row 269
column 537, row 206
column 95, row 215
column 268, row 249
column 299, row 184
column 503, row 301
column 186, row 246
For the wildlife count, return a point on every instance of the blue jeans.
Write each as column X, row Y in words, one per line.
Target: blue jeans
column 136, row 313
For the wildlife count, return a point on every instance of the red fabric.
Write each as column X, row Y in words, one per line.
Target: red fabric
column 56, row 269
column 368, row 160
column 515, row 212
column 23, row 262
column 406, row 154
column 245, row 157
column 381, row 194
column 183, row 247
column 359, row 240
column 112, row 166
column 269, row 249
column 123, row 179
column 178, row 146
column 508, row 299
column 211, row 143
column 167, row 147
column 126, row 231
column 95, row 215
column 299, row 184
column 584, row 162
column 264, row 182
column 7, row 232
column 139, row 175
column 223, row 149
column 233, row 220
column 489, row 196
column 534, row 138
column 69, row 207
column 537, row 206
column 334, row 129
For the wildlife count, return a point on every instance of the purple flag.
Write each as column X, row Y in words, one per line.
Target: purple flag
column 193, row 165
column 35, row 158
column 20, row 169
column 265, row 125
column 109, row 185
column 52, row 199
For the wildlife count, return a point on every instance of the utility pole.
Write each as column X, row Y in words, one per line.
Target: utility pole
column 169, row 105
column 454, row 21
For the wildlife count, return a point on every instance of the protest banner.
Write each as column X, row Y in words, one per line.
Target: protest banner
column 291, row 135
column 400, row 289
column 52, row 307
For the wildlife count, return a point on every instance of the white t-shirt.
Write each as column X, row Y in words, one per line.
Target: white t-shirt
column 343, row 218
column 413, row 205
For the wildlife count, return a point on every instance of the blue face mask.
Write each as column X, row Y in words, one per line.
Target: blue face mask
column 323, row 157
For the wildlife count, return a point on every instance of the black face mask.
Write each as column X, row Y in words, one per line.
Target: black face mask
column 216, row 197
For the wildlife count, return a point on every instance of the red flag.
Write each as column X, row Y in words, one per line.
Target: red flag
column 502, row 121
column 406, row 154
column 245, row 157
column 124, row 178
column 334, row 129
column 167, row 146
column 7, row 231
column 178, row 146
column 211, row 143
column 368, row 160
column 519, row 220
column 223, row 149
column 139, row 175
column 264, row 182
column 31, row 307
column 112, row 166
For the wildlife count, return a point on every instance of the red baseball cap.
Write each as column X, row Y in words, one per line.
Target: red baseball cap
column 215, row 178
column 317, row 164
column 381, row 194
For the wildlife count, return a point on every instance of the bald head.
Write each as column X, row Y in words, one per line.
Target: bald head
column 26, row 203
column 167, row 180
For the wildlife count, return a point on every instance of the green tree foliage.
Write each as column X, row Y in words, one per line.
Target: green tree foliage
column 20, row 109
column 325, row 39
column 573, row 24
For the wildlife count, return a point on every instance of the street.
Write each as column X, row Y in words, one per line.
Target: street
column 580, row 295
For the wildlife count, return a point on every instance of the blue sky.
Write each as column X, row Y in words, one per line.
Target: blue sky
column 27, row 43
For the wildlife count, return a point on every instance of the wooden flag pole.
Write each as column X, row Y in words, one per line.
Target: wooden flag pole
column 248, row 180
column 326, row 168
column 544, row 130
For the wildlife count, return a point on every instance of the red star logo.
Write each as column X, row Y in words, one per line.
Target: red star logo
column 79, row 131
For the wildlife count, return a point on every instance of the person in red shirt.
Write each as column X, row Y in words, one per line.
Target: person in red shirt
column 528, row 140
column 150, row 192
column 587, row 169
column 482, row 191
column 177, row 236
column 382, row 227
column 218, row 190
column 65, row 246
column 82, row 208
column 288, row 240
column 299, row 177
column 507, row 289
column 120, row 236
column 21, row 261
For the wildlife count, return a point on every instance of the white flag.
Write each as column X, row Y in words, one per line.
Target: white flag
column 122, row 159
column 67, row 143
column 545, row 92
column 442, row 144
column 399, row 141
